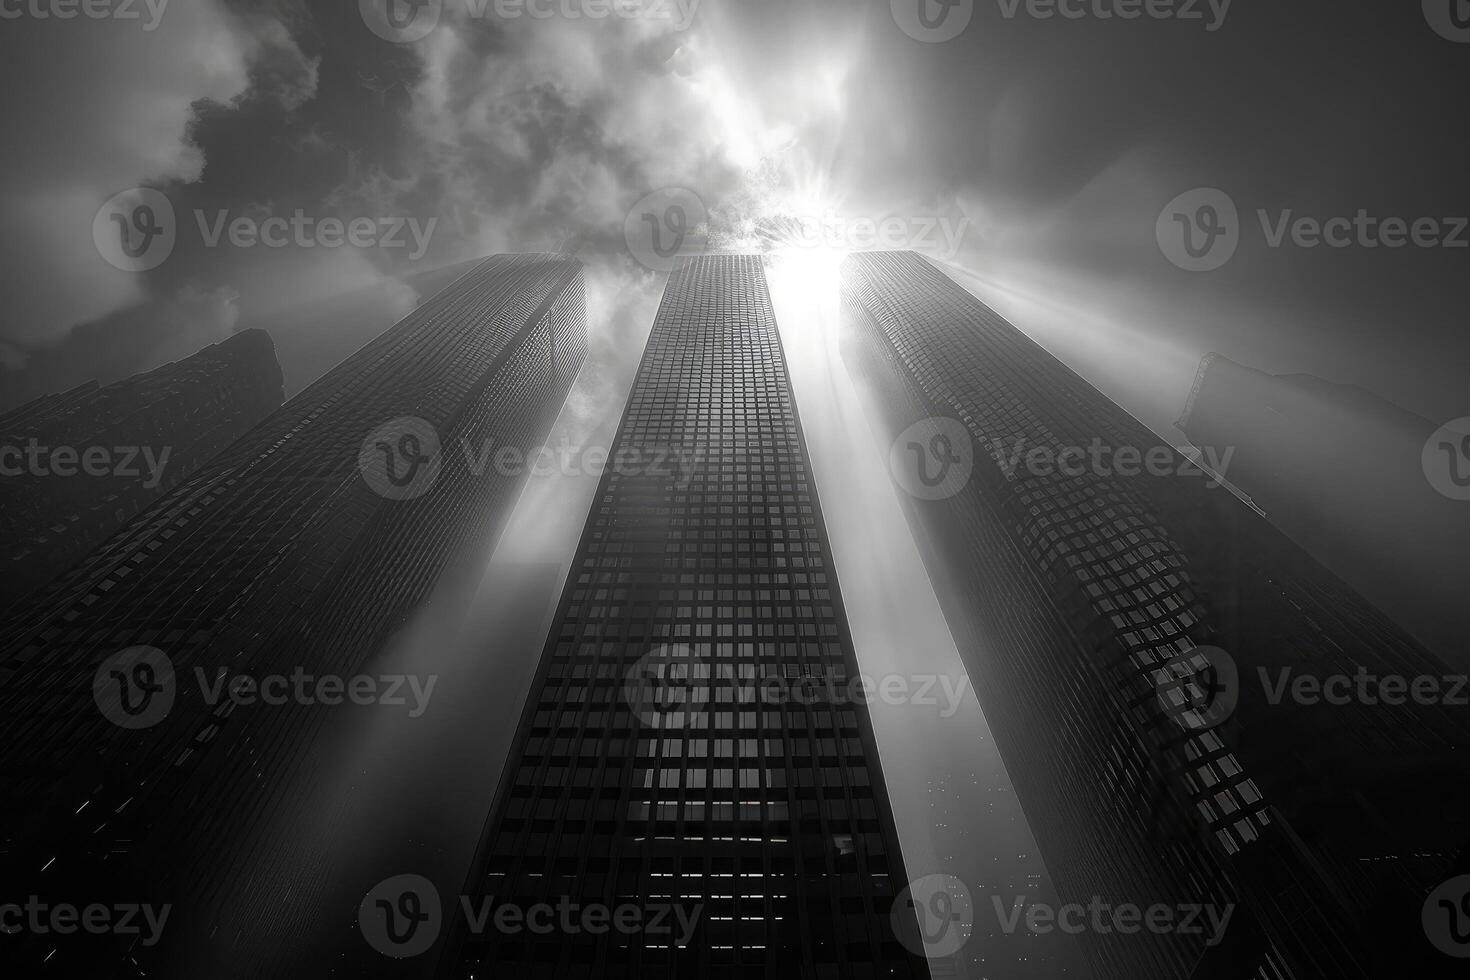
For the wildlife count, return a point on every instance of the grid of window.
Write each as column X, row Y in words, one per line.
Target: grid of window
column 276, row 556
column 704, row 558
column 191, row 409
column 1092, row 581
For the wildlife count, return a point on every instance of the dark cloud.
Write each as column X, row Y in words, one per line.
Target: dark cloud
column 1058, row 141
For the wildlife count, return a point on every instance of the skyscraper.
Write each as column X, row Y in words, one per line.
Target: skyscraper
column 1127, row 628
column 659, row 763
column 78, row 465
column 1340, row 471
column 296, row 551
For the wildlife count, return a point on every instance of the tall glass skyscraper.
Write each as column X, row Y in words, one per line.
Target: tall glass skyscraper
column 152, row 430
column 298, row 550
column 666, row 758
column 1385, row 530
column 1128, row 629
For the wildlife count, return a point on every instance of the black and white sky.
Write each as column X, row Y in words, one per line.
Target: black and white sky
column 1036, row 149
column 1036, row 146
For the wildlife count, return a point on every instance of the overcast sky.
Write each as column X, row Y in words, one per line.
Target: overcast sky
column 1036, row 154
column 1058, row 141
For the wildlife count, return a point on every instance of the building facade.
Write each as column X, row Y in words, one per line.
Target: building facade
column 1341, row 472
column 78, row 465
column 129, row 776
column 665, row 758
column 1128, row 628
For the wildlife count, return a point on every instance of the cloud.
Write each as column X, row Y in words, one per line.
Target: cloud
column 539, row 134
column 280, row 71
column 110, row 106
column 74, row 143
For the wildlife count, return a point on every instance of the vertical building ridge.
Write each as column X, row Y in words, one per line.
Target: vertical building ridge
column 130, row 442
column 663, row 756
column 299, row 549
column 1118, row 616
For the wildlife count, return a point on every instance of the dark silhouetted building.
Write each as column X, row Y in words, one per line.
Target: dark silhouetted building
column 298, row 550
column 1339, row 470
column 659, row 761
column 76, row 466
column 1098, row 601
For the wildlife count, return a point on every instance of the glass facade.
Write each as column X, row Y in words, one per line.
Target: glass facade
column 281, row 555
column 666, row 756
column 1089, row 594
column 168, row 422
